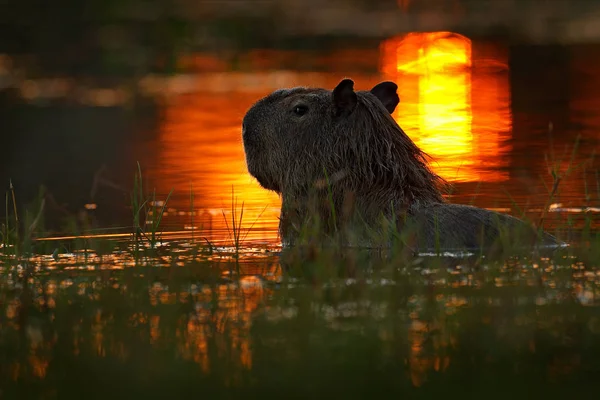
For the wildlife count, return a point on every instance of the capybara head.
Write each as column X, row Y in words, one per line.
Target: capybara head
column 296, row 138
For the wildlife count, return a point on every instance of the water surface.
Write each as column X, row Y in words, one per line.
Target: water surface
column 189, row 318
column 488, row 129
column 492, row 118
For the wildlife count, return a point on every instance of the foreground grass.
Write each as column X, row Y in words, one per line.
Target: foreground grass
column 358, row 325
column 142, row 317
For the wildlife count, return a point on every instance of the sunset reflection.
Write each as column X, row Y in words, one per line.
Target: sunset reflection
column 200, row 144
column 456, row 111
column 454, row 105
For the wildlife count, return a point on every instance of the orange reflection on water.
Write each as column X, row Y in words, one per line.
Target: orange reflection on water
column 200, row 144
column 441, row 111
column 227, row 327
column 221, row 319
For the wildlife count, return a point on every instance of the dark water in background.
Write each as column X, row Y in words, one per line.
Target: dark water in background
column 486, row 113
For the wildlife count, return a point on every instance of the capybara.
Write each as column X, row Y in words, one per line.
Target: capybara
column 346, row 170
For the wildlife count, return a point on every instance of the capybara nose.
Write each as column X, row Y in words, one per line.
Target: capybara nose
column 246, row 120
column 249, row 125
column 245, row 129
column 248, row 137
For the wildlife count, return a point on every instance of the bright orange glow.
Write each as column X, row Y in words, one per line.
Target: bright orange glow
column 440, row 110
column 200, row 143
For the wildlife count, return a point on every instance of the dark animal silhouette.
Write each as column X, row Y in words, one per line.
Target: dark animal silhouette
column 346, row 170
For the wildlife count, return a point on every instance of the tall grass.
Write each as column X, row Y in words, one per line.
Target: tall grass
column 10, row 228
column 146, row 215
column 554, row 169
column 235, row 229
column 19, row 234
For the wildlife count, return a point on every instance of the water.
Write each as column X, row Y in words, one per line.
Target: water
column 489, row 130
column 354, row 327
column 489, row 116
column 90, row 320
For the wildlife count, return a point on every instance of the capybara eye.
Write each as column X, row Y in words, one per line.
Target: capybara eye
column 300, row 110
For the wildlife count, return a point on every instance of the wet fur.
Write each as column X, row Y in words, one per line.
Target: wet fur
column 345, row 166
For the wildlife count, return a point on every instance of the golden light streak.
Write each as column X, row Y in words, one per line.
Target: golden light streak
column 439, row 109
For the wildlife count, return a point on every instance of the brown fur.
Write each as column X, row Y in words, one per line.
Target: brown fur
column 342, row 164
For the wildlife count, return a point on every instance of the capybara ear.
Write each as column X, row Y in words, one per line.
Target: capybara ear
column 386, row 93
column 344, row 97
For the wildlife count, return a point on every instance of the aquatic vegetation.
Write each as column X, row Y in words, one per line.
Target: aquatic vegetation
column 147, row 314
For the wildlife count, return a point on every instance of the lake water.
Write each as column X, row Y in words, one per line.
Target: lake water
column 489, row 115
column 95, row 323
